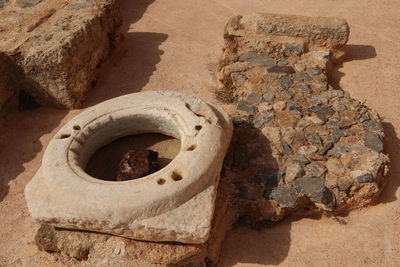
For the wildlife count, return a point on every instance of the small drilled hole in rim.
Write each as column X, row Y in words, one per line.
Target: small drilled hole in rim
column 161, row 181
column 198, row 127
column 76, row 127
column 191, row 148
column 176, row 176
column 63, row 136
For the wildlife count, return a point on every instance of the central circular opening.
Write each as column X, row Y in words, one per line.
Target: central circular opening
column 133, row 156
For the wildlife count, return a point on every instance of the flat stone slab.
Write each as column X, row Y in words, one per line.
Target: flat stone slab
column 59, row 45
column 299, row 144
column 175, row 203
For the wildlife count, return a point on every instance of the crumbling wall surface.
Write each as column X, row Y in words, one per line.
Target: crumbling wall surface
column 300, row 145
column 59, row 45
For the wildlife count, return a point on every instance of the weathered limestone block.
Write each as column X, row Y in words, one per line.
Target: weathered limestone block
column 299, row 144
column 59, row 45
column 173, row 204
column 303, row 32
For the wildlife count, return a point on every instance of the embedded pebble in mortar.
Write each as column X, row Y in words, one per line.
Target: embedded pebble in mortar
column 315, row 169
column 286, row 149
column 279, row 106
column 285, row 82
column 313, row 139
column 301, row 76
column 323, row 112
column 303, row 88
column 283, row 62
column 269, row 97
column 284, row 195
column 302, row 159
column 373, row 141
column 257, row 59
column 78, row 6
column 319, row 100
column 254, row 98
column 299, row 67
column 314, row 188
column 373, row 125
column 297, row 49
column 263, row 117
column 246, row 107
column 27, row 3
column 293, row 171
column 281, row 69
column 365, row 178
column 314, row 71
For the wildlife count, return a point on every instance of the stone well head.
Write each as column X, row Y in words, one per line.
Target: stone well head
column 175, row 203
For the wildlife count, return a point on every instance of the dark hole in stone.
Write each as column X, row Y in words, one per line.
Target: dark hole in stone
column 161, row 181
column 191, row 148
column 198, row 127
column 63, row 136
column 104, row 163
column 176, row 176
column 76, row 127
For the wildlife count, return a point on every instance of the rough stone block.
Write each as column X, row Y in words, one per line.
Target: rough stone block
column 59, row 49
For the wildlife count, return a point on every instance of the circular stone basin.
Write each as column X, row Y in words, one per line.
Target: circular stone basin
column 73, row 188
column 104, row 163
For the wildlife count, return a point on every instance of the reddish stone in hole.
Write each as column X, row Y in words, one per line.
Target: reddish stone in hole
column 137, row 163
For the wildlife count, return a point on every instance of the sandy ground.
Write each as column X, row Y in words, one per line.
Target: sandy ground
column 173, row 45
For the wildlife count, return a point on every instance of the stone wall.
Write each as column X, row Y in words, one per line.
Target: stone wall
column 300, row 145
column 59, row 45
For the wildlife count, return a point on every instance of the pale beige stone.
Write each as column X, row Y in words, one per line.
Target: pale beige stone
column 279, row 106
column 273, row 134
column 307, row 150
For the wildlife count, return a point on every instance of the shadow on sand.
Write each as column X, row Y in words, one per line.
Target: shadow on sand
column 20, row 142
column 132, row 64
column 353, row 52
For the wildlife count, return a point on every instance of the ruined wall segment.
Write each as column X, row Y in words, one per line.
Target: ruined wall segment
column 59, row 45
column 300, row 145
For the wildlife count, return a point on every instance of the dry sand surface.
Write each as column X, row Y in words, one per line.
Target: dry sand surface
column 174, row 45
